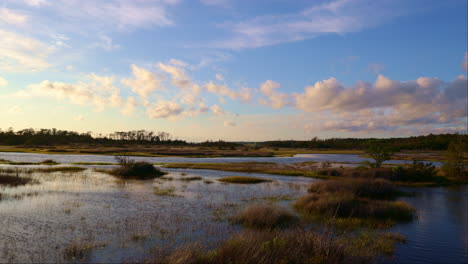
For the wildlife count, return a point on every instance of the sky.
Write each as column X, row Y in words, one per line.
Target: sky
column 237, row 70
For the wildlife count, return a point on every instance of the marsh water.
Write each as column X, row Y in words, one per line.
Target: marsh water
column 130, row 221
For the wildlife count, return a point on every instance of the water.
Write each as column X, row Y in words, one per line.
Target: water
column 127, row 222
column 352, row 158
column 440, row 234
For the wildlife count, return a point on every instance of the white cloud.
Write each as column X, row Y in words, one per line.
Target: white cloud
column 144, row 82
column 219, row 77
column 70, row 68
column 333, row 17
column 217, row 110
column 178, row 63
column 3, row 81
column 11, row 17
column 274, row 99
column 19, row 53
column 106, row 43
column 122, row 14
column 164, row 109
column 386, row 104
column 98, row 91
column 35, row 3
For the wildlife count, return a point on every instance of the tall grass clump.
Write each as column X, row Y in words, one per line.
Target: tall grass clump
column 265, row 216
column 131, row 169
column 275, row 247
column 365, row 199
column 14, row 180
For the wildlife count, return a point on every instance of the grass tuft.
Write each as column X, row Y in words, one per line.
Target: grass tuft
column 265, row 216
column 243, row 179
column 70, row 169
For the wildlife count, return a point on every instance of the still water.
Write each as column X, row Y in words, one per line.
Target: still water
column 126, row 221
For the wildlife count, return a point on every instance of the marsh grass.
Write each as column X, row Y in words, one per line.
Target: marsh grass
column 69, row 169
column 169, row 191
column 243, row 180
column 81, row 250
column 249, row 167
column 44, row 162
column 289, row 246
column 93, row 163
column 14, row 180
column 192, row 178
column 265, row 216
column 355, row 202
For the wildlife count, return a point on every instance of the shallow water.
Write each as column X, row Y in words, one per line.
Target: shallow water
column 128, row 222
column 125, row 219
column 61, row 158
column 440, row 233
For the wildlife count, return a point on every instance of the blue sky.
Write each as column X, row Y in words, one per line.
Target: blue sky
column 235, row 70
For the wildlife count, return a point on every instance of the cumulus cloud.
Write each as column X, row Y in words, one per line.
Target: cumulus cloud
column 143, row 82
column 274, row 99
column 385, row 104
column 98, row 91
column 19, row 53
column 217, row 110
column 164, row 109
column 3, row 81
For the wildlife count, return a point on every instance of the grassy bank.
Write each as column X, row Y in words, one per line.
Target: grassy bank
column 301, row 169
column 416, row 175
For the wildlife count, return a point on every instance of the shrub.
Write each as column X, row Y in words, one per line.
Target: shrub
column 265, row 216
column 417, row 172
column 131, row 169
column 378, row 188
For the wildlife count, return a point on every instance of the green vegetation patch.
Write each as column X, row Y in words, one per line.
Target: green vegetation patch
column 243, row 179
column 10, row 180
column 59, row 169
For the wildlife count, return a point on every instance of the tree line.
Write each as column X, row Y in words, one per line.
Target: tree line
column 428, row 142
column 59, row 137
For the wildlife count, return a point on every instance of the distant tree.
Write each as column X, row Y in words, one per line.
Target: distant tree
column 454, row 167
column 379, row 153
